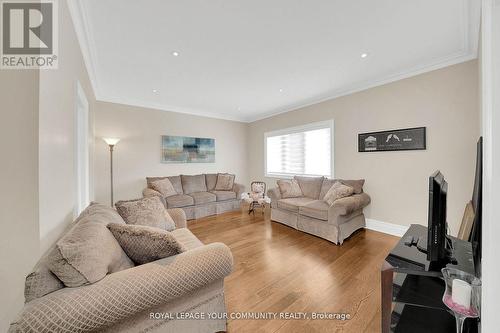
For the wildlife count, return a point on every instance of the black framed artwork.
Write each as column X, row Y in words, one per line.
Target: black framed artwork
column 400, row 139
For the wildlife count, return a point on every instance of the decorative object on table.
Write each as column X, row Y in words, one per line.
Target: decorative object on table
column 462, row 295
column 184, row 149
column 401, row 139
column 257, row 197
column 111, row 143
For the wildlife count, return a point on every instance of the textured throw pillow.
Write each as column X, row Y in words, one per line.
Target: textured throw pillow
column 356, row 184
column 289, row 188
column 225, row 182
column 146, row 211
column 86, row 254
column 337, row 191
column 145, row 244
column 164, row 186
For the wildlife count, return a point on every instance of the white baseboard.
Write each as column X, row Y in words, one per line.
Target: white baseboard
column 385, row 227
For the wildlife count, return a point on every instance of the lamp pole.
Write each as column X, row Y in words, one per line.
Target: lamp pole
column 111, row 147
column 111, row 143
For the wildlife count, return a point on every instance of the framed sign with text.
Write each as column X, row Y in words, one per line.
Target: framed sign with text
column 400, row 139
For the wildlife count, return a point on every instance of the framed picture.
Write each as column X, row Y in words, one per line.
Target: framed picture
column 185, row 149
column 400, row 139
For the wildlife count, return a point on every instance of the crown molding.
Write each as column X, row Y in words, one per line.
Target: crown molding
column 78, row 14
column 169, row 108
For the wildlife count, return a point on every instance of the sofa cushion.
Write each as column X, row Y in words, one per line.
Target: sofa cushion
column 317, row 209
column 203, row 197
column 225, row 182
column 148, row 211
column 224, row 195
column 191, row 184
column 310, row 186
column 86, row 254
column 211, row 180
column 289, row 188
column 186, row 238
column 337, row 191
column 180, row 200
column 327, row 183
column 293, row 204
column 356, row 184
column 145, row 244
column 164, row 186
column 175, row 180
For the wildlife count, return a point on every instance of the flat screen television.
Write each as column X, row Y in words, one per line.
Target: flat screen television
column 438, row 244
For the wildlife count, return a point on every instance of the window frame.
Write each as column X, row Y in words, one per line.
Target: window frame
column 297, row 129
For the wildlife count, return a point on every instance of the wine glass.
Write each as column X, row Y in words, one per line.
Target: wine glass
column 462, row 312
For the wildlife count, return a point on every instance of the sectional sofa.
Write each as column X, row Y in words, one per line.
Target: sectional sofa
column 309, row 213
column 125, row 299
column 196, row 195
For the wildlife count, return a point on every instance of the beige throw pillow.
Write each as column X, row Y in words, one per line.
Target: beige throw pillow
column 164, row 186
column 148, row 211
column 356, row 184
column 145, row 244
column 289, row 188
column 225, row 182
column 337, row 191
column 86, row 254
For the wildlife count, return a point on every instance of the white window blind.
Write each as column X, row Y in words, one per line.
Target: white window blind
column 305, row 150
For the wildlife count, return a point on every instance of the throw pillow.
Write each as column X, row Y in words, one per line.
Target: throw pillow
column 225, row 182
column 356, row 184
column 164, row 186
column 86, row 254
column 146, row 211
column 337, row 191
column 145, row 244
column 289, row 188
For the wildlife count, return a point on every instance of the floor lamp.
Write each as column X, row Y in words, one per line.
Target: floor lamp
column 111, row 143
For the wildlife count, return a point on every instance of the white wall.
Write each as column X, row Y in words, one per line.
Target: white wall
column 19, row 239
column 490, row 111
column 445, row 101
column 57, row 132
column 138, row 154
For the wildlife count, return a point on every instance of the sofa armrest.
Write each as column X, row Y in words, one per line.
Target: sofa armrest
column 149, row 192
column 239, row 189
column 348, row 205
column 179, row 217
column 274, row 194
column 125, row 293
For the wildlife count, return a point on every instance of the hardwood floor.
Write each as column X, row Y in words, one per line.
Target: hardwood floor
column 279, row 269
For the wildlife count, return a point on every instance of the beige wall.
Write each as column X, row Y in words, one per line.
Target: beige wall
column 57, row 132
column 445, row 101
column 138, row 153
column 19, row 239
column 37, row 171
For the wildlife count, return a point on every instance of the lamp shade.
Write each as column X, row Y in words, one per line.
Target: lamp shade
column 111, row 141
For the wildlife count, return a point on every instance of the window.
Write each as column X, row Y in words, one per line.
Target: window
column 305, row 150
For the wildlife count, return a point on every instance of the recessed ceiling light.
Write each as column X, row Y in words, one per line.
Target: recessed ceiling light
column 175, row 54
column 155, row 91
column 364, row 55
column 281, row 90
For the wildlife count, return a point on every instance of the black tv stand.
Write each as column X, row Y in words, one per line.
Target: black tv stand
column 421, row 244
column 412, row 287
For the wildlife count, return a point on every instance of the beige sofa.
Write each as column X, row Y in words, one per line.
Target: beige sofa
column 309, row 213
column 125, row 301
column 196, row 195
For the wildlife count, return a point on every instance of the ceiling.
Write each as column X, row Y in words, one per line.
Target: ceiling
column 248, row 60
